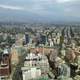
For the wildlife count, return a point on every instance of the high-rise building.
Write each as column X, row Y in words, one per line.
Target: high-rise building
column 43, row 39
column 27, row 38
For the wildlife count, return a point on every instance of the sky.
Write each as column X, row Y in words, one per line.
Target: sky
column 40, row 10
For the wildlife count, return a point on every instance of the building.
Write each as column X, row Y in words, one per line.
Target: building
column 43, row 39
column 51, row 44
column 42, row 50
column 35, row 65
column 58, row 41
column 27, row 38
column 63, row 53
column 31, row 73
column 5, row 65
column 14, row 56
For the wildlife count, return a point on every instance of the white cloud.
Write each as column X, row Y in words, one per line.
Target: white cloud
column 11, row 7
column 63, row 1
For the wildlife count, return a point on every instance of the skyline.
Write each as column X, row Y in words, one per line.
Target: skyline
column 40, row 10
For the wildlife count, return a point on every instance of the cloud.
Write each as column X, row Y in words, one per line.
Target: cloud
column 11, row 7
column 43, row 8
column 72, row 11
column 64, row 1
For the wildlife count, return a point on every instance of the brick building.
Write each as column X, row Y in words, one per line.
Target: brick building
column 5, row 64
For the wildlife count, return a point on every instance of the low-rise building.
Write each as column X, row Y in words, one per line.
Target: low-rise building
column 14, row 56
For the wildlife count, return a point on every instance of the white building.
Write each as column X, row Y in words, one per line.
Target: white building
column 58, row 41
column 51, row 42
column 31, row 73
column 34, row 66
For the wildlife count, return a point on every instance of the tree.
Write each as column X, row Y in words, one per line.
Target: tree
column 10, row 41
column 61, row 40
column 1, row 38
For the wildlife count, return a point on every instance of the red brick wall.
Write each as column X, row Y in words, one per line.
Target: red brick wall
column 4, row 72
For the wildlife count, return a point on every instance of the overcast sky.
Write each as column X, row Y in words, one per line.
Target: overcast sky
column 40, row 10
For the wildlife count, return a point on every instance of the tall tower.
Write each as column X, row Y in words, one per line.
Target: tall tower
column 27, row 38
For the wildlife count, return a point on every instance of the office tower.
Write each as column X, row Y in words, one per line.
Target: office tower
column 27, row 38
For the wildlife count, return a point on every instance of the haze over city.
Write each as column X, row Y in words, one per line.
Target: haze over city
column 39, row 39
